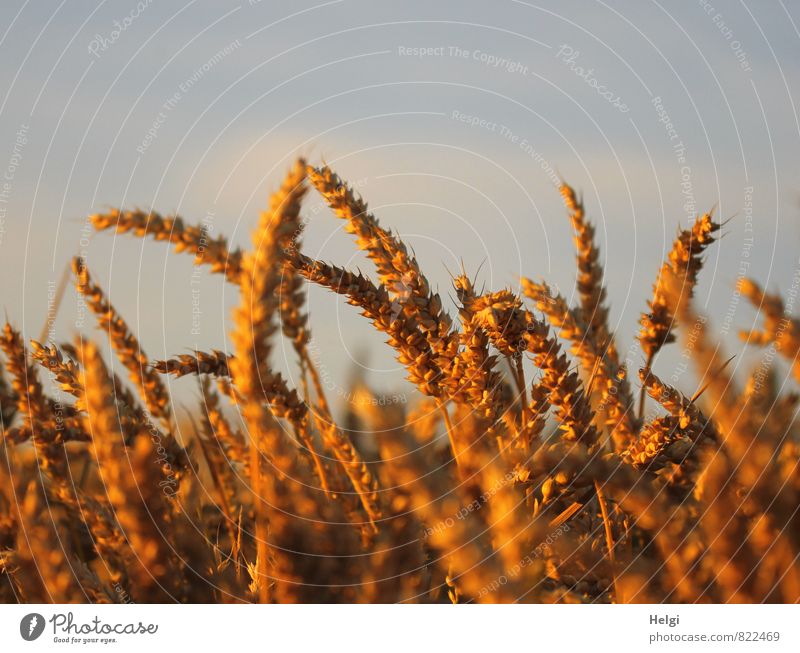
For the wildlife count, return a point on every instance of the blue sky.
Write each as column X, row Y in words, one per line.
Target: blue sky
column 452, row 118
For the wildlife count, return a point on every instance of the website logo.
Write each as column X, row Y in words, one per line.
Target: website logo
column 31, row 626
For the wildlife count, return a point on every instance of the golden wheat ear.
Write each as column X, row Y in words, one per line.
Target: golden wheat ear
column 126, row 346
column 48, row 431
column 63, row 369
column 674, row 289
column 404, row 333
column 214, row 363
column 472, row 378
column 254, row 320
column 398, row 270
column 8, row 401
column 458, row 547
column 593, row 309
column 28, row 391
column 44, row 566
column 135, row 487
column 675, row 285
column 609, row 389
column 688, row 423
column 404, row 336
column 779, row 328
column 196, row 240
column 514, row 330
column 260, row 281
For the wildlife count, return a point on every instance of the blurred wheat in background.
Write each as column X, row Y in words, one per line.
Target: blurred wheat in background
column 532, row 466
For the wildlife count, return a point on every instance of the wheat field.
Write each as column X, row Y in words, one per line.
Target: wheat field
column 532, row 466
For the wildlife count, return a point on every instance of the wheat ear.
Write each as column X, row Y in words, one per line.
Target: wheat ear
column 214, row 363
column 195, row 240
column 254, row 328
column 674, row 288
column 594, row 311
column 132, row 483
column 404, row 334
column 127, row 347
column 607, row 380
column 398, row 270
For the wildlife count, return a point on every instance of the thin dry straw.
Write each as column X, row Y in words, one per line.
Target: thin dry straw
column 63, row 282
column 220, row 472
column 609, row 540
